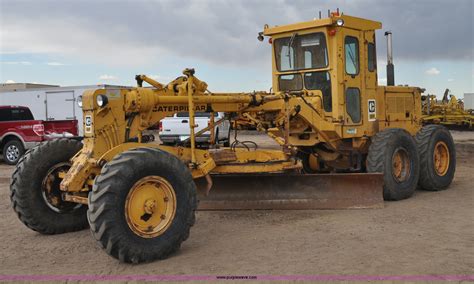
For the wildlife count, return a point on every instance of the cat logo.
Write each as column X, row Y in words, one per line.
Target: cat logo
column 182, row 108
column 88, row 124
column 372, row 110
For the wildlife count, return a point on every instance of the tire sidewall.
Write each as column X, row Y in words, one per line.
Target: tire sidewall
column 440, row 182
column 35, row 167
column 393, row 189
column 55, row 156
column 165, row 168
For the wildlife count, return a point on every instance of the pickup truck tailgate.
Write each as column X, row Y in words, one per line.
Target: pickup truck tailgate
column 61, row 127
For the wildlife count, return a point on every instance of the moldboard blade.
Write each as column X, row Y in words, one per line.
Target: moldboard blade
column 293, row 191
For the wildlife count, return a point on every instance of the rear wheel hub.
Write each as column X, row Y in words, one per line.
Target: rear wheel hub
column 400, row 165
column 441, row 158
column 51, row 193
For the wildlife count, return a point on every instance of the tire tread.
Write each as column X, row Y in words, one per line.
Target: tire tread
column 20, row 186
column 103, row 195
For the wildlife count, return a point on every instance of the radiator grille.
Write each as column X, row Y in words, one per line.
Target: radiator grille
column 400, row 104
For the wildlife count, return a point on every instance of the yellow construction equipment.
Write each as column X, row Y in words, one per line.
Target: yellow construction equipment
column 449, row 111
column 345, row 142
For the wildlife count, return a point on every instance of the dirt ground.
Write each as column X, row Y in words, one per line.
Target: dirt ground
column 430, row 233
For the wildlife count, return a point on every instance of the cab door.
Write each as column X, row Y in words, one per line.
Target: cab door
column 369, row 100
column 353, row 80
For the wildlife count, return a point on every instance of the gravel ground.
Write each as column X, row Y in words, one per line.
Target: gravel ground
column 430, row 233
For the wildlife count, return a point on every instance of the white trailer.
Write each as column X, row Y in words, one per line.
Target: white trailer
column 51, row 103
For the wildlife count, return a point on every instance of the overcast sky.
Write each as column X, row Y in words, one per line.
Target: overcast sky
column 88, row 42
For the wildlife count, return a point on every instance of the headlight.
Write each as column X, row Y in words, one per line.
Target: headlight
column 79, row 101
column 340, row 22
column 102, row 100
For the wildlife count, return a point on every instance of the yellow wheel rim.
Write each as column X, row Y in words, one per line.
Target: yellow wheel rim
column 150, row 206
column 400, row 165
column 441, row 158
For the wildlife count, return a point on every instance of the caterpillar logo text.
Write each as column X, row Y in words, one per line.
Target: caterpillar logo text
column 178, row 108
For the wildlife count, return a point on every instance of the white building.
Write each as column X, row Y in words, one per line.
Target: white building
column 48, row 102
column 468, row 100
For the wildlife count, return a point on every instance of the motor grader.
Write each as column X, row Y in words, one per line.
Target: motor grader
column 344, row 142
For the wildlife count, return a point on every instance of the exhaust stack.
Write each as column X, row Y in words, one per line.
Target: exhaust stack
column 390, row 67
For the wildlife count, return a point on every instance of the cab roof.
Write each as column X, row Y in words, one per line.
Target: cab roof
column 349, row 22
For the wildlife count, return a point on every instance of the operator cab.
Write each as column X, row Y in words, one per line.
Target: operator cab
column 335, row 56
column 302, row 61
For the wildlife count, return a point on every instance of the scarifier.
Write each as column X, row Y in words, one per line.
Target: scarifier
column 449, row 112
column 345, row 142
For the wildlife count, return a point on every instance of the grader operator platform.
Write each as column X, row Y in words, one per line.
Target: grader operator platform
column 346, row 142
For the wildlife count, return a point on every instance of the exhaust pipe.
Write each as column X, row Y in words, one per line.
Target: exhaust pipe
column 390, row 68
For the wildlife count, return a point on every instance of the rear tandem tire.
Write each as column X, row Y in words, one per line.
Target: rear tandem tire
column 121, row 196
column 437, row 157
column 393, row 152
column 41, row 210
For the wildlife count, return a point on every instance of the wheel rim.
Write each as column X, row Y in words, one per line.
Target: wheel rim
column 400, row 165
column 441, row 158
column 150, row 206
column 13, row 153
column 52, row 195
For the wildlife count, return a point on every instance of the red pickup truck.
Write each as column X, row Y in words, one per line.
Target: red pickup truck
column 19, row 131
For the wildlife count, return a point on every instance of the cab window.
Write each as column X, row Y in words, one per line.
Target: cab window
column 320, row 81
column 372, row 62
column 14, row 114
column 353, row 104
column 351, row 50
column 290, row 82
column 300, row 52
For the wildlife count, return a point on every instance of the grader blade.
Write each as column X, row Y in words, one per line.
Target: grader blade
column 293, row 191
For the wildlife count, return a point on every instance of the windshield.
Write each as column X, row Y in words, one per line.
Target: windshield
column 320, row 80
column 301, row 52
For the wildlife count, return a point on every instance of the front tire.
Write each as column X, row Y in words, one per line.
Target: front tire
column 35, row 193
column 437, row 157
column 142, row 205
column 393, row 152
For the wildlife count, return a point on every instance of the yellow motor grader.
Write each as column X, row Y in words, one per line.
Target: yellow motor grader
column 345, row 142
